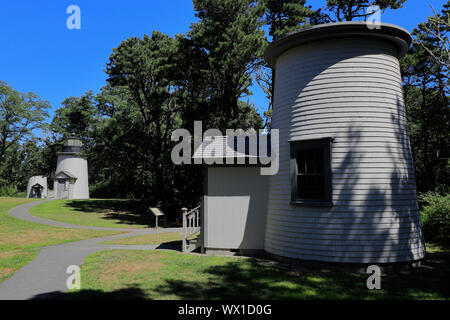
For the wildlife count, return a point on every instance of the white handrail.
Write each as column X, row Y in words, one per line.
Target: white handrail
column 191, row 224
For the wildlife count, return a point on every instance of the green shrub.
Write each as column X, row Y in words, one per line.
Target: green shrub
column 103, row 189
column 22, row 194
column 8, row 191
column 435, row 217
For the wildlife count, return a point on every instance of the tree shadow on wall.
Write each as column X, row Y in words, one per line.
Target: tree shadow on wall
column 373, row 217
column 376, row 202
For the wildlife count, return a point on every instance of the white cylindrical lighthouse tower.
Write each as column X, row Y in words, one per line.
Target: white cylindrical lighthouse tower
column 345, row 191
column 71, row 178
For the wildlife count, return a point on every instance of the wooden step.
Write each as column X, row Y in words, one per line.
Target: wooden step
column 193, row 244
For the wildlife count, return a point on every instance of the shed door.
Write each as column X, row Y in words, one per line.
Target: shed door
column 62, row 188
column 36, row 192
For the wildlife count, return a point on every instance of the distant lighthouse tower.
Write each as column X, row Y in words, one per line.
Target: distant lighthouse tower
column 71, row 178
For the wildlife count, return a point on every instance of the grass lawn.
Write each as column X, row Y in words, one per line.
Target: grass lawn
column 149, row 239
column 20, row 240
column 97, row 213
column 116, row 274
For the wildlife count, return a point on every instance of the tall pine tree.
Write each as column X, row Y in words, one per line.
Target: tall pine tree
column 285, row 16
column 349, row 10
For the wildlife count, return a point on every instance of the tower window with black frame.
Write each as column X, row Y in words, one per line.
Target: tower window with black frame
column 311, row 172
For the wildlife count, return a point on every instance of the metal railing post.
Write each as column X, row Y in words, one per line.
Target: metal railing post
column 184, row 211
column 198, row 218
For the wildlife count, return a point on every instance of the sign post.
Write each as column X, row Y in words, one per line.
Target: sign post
column 157, row 213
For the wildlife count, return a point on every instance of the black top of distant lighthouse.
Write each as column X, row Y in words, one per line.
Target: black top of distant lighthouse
column 72, row 145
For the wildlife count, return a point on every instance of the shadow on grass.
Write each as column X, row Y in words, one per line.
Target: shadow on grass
column 171, row 245
column 256, row 280
column 250, row 279
column 245, row 279
column 132, row 212
column 130, row 293
column 430, row 278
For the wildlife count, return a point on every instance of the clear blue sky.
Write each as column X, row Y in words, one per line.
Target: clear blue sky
column 38, row 53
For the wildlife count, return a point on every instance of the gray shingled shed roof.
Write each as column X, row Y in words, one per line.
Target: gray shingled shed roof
column 222, row 147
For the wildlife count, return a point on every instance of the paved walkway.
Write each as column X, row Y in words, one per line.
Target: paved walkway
column 46, row 276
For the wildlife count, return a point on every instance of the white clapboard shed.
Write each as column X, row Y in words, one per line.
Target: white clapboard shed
column 235, row 201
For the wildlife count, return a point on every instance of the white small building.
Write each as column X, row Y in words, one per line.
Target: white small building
column 37, row 187
column 235, row 202
column 71, row 178
column 345, row 190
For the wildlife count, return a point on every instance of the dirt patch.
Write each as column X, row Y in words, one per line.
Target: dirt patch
column 6, row 271
column 113, row 273
column 27, row 237
column 149, row 239
column 8, row 254
column 31, row 237
column 134, row 267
